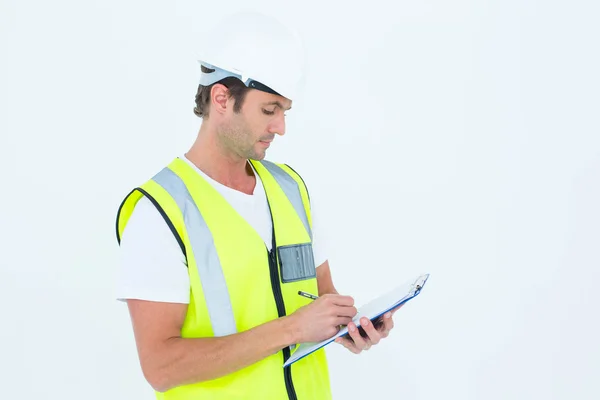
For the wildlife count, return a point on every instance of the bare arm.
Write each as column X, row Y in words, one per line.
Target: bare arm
column 324, row 281
column 168, row 360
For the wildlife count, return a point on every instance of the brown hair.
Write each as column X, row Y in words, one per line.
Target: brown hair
column 237, row 90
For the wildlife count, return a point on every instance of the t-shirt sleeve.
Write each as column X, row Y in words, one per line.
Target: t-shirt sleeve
column 151, row 264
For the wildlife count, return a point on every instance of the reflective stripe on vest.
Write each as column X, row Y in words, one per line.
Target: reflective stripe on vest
column 203, row 248
column 205, row 254
column 291, row 190
column 226, row 257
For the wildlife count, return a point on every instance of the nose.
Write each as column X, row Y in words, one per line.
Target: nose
column 278, row 126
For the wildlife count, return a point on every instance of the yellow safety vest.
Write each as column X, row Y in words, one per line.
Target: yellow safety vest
column 236, row 282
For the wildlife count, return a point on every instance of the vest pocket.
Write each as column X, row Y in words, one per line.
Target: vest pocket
column 297, row 262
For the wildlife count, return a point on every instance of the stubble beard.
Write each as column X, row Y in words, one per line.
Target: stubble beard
column 238, row 139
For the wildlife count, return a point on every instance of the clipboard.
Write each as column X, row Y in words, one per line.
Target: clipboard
column 372, row 310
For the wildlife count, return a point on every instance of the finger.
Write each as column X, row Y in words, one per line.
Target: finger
column 396, row 309
column 374, row 335
column 349, row 344
column 359, row 341
column 345, row 339
column 342, row 300
column 379, row 323
column 346, row 311
column 388, row 324
column 342, row 320
column 388, row 321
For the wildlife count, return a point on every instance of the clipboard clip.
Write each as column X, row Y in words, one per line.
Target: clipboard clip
column 419, row 283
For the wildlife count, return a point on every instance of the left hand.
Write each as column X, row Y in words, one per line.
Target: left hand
column 356, row 343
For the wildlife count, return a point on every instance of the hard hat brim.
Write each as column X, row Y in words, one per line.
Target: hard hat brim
column 217, row 74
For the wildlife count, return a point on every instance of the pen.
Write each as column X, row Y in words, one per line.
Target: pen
column 310, row 296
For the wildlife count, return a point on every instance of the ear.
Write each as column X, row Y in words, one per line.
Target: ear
column 219, row 94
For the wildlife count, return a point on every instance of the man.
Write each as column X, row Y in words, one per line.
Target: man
column 217, row 245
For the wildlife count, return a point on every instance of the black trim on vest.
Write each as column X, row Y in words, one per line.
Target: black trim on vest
column 276, row 287
column 119, row 215
column 161, row 211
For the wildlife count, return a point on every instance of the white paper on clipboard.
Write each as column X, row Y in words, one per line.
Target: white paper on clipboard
column 373, row 309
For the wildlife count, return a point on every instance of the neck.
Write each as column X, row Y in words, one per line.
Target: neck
column 218, row 162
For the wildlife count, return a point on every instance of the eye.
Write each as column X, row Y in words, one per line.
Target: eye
column 267, row 112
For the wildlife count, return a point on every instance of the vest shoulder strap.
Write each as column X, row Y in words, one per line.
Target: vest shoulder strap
column 279, row 169
column 167, row 206
column 163, row 202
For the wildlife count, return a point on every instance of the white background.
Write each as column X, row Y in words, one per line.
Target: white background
column 457, row 138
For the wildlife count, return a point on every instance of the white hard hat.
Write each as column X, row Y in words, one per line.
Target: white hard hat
column 258, row 49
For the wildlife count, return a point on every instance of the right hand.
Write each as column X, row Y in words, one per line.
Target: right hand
column 322, row 318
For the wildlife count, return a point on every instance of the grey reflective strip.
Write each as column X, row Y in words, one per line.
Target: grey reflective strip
column 291, row 190
column 204, row 252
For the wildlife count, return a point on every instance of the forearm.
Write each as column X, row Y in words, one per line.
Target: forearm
column 182, row 361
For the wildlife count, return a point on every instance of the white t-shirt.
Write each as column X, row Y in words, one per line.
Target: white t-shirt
column 152, row 265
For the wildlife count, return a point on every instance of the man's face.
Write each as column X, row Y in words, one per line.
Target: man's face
column 250, row 132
